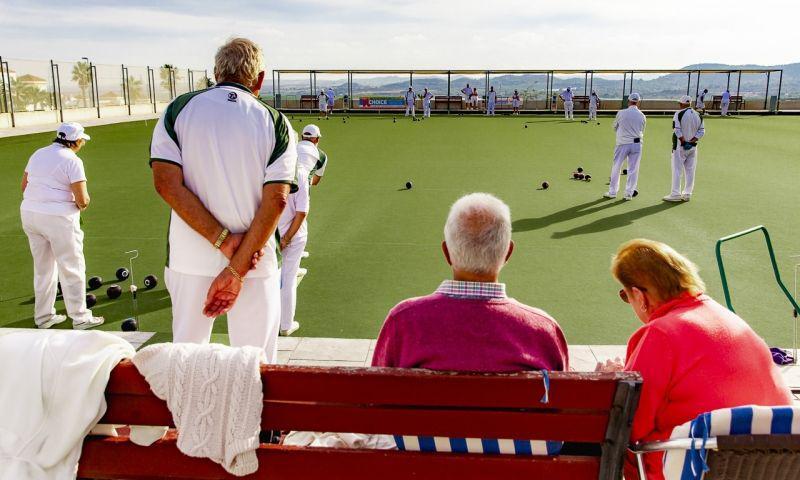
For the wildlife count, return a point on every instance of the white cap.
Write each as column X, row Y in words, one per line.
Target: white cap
column 311, row 131
column 634, row 97
column 685, row 99
column 72, row 132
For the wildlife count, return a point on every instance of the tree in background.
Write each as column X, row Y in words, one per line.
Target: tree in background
column 82, row 75
column 165, row 72
column 135, row 90
column 29, row 98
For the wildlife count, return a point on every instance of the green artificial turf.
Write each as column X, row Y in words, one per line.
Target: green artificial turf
column 373, row 243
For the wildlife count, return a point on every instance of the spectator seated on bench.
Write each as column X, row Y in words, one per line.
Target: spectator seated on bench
column 694, row 355
column 733, row 443
column 470, row 325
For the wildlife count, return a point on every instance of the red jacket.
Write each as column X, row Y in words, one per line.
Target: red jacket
column 695, row 356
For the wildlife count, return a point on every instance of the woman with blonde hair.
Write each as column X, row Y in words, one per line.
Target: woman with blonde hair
column 694, row 355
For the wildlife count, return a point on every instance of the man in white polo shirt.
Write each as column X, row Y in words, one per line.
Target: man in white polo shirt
column 594, row 102
column 311, row 159
column 426, row 103
column 225, row 163
column 726, row 102
column 629, row 126
column 491, row 101
column 687, row 131
column 410, row 99
column 322, row 101
column 567, row 96
column 331, row 99
column 293, row 231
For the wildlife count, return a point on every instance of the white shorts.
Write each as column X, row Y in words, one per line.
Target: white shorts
column 473, row 100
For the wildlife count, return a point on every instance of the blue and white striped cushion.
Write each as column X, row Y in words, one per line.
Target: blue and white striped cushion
column 746, row 420
column 420, row 443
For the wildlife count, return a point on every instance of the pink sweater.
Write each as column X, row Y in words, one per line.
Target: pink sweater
column 440, row 332
column 696, row 356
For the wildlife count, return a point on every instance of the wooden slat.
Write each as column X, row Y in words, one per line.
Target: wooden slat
column 590, row 427
column 113, row 458
column 384, row 386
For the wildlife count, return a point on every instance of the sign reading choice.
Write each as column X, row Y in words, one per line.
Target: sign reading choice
column 381, row 102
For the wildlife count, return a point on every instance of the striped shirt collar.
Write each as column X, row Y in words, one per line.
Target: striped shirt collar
column 479, row 290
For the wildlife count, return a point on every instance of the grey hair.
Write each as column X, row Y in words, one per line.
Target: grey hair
column 478, row 233
column 239, row 60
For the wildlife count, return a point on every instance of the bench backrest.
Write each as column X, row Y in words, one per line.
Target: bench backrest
column 592, row 408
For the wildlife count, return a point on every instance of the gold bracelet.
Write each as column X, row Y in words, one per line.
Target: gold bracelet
column 221, row 238
column 235, row 274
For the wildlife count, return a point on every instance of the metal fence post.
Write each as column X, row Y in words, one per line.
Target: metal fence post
column 448, row 91
column 4, row 104
column 780, row 84
column 10, row 95
column 697, row 87
column 57, row 83
column 126, row 88
column 95, row 88
column 151, row 87
column 766, row 94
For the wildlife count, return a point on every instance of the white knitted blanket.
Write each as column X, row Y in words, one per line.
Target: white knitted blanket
column 214, row 393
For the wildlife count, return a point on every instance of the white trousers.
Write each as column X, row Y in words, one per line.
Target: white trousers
column 291, row 263
column 725, row 106
column 410, row 108
column 592, row 113
column 490, row 108
column 57, row 248
column 253, row 320
column 632, row 153
column 683, row 162
column 426, row 110
column 568, row 110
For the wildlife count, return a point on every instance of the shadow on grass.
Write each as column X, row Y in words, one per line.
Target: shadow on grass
column 576, row 211
column 615, row 221
column 114, row 310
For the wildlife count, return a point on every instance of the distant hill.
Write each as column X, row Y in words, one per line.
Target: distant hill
column 606, row 86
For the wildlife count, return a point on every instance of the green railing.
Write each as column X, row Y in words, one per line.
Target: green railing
column 775, row 271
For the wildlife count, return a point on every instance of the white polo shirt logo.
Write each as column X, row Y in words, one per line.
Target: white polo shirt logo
column 232, row 96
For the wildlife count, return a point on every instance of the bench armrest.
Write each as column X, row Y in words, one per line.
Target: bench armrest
column 641, row 448
column 672, row 444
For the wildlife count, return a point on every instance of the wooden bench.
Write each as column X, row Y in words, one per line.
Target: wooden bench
column 441, row 102
column 309, row 101
column 595, row 408
column 737, row 103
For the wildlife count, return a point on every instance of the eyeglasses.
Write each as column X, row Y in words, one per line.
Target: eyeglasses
column 624, row 296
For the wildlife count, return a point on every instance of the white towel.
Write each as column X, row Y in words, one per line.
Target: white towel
column 52, row 386
column 214, row 393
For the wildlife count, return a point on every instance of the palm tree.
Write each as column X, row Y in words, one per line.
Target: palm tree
column 82, row 75
column 25, row 96
column 166, row 77
column 135, row 90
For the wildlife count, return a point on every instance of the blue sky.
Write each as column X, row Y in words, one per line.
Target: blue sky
column 407, row 34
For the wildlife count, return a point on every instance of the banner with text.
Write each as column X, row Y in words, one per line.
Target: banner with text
column 376, row 103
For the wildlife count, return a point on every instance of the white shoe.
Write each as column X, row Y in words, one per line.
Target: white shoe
column 91, row 323
column 627, row 198
column 301, row 274
column 673, row 198
column 54, row 320
column 305, row 255
column 295, row 326
column 686, row 197
column 608, row 195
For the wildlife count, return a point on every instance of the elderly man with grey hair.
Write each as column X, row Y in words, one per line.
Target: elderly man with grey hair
column 469, row 323
column 225, row 163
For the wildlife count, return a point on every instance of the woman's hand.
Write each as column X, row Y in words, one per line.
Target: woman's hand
column 615, row 365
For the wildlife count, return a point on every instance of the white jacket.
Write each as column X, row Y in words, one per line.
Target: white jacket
column 52, row 386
